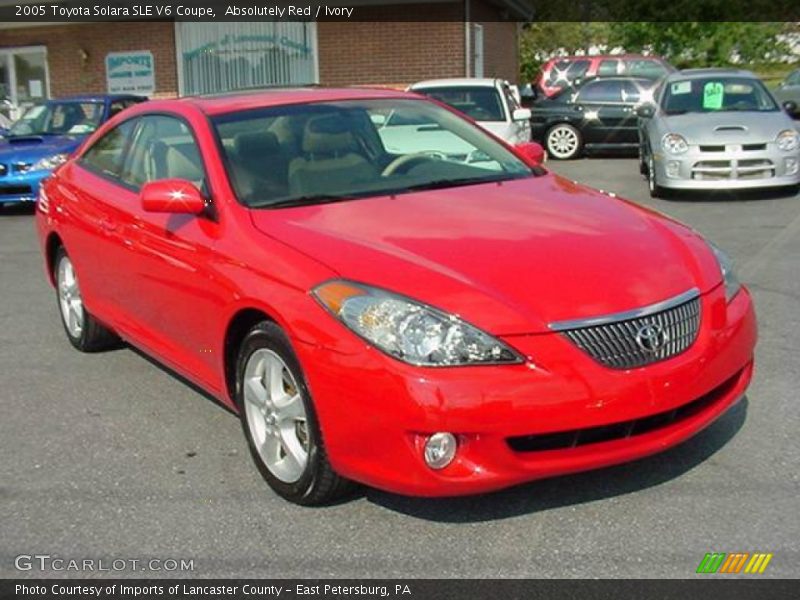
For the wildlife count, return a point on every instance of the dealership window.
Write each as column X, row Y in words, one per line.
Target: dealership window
column 24, row 79
column 221, row 57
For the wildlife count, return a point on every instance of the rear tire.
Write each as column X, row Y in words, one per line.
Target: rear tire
column 83, row 330
column 279, row 420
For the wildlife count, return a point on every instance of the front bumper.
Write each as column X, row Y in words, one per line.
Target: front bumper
column 21, row 187
column 735, row 168
column 376, row 412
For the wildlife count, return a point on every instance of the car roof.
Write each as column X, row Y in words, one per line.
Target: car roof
column 456, row 82
column 604, row 56
column 264, row 98
column 700, row 73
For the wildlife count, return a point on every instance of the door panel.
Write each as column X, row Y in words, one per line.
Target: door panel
column 91, row 196
column 177, row 295
column 603, row 111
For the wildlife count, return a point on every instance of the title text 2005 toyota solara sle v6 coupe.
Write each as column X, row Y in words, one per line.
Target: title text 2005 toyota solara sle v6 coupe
column 445, row 320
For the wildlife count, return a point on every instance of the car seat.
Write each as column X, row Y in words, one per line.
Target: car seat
column 261, row 168
column 331, row 161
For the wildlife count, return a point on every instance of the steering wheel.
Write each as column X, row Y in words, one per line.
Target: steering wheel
column 406, row 159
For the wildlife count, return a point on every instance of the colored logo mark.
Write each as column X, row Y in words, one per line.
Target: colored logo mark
column 735, row 562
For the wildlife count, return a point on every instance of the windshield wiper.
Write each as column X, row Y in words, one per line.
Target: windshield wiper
column 439, row 184
column 308, row 200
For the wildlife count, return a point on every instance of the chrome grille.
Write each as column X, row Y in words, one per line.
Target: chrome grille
column 619, row 342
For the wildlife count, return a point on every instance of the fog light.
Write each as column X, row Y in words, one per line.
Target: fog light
column 673, row 168
column 440, row 449
column 790, row 165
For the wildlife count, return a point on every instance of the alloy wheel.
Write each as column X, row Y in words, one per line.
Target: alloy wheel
column 563, row 142
column 276, row 415
column 69, row 297
column 651, row 173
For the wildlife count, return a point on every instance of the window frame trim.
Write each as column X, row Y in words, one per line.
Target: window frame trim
column 207, row 190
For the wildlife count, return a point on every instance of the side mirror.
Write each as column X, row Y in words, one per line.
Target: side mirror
column 521, row 114
column 790, row 106
column 645, row 111
column 172, row 196
column 531, row 152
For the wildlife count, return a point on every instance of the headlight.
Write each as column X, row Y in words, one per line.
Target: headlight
column 411, row 331
column 732, row 284
column 788, row 140
column 674, row 143
column 49, row 163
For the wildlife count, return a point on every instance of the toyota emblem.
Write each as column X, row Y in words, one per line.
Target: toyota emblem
column 651, row 337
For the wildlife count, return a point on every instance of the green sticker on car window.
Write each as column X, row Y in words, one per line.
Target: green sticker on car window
column 713, row 94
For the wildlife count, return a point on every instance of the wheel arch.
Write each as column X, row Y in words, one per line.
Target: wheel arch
column 53, row 243
column 240, row 323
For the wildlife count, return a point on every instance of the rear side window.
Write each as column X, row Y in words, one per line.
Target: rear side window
column 651, row 69
column 608, row 67
column 108, row 153
column 793, row 79
column 163, row 148
column 601, row 91
column 564, row 72
column 480, row 103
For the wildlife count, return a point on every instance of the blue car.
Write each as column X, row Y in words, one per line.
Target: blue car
column 46, row 135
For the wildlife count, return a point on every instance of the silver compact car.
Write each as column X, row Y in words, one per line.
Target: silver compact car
column 712, row 129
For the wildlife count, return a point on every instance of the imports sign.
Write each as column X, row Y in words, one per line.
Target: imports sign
column 131, row 73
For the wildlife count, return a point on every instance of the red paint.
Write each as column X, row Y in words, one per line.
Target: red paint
column 509, row 258
column 531, row 152
column 172, row 196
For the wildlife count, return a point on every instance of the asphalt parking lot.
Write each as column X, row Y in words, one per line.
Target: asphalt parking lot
column 111, row 456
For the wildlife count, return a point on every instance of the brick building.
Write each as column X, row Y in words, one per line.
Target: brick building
column 458, row 38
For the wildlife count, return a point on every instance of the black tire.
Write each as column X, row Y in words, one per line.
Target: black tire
column 93, row 335
column 551, row 147
column 792, row 190
column 319, row 484
column 656, row 190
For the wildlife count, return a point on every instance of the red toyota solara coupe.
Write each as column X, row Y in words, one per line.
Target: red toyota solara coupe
column 389, row 295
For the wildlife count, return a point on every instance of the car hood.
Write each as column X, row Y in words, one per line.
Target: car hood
column 728, row 127
column 510, row 258
column 31, row 148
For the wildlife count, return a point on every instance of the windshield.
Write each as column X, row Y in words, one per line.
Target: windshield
column 479, row 103
column 325, row 152
column 59, row 118
column 714, row 94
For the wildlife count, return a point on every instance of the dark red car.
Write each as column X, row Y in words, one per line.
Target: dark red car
column 566, row 71
column 445, row 318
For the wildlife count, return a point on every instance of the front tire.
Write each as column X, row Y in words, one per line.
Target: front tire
column 656, row 191
column 563, row 141
column 84, row 332
column 279, row 421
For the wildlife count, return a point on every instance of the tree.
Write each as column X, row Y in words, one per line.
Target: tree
column 701, row 43
column 543, row 39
